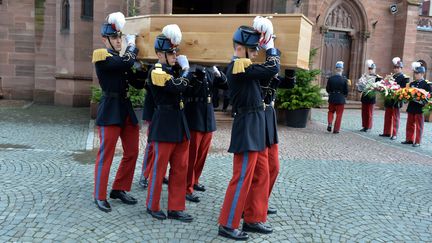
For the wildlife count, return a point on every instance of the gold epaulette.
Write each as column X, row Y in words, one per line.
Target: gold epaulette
column 159, row 76
column 240, row 65
column 349, row 82
column 100, row 55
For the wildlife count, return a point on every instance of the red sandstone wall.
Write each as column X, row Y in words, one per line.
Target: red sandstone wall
column 17, row 67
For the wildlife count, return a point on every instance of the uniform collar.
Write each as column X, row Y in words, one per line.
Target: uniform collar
column 397, row 74
column 111, row 51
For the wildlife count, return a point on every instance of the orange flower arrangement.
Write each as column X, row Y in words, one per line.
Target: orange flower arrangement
column 412, row 94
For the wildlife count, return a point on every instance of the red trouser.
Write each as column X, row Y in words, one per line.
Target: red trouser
column 273, row 161
column 177, row 155
column 146, row 165
column 415, row 124
column 367, row 115
column 198, row 149
column 248, row 186
column 391, row 121
column 129, row 135
column 339, row 109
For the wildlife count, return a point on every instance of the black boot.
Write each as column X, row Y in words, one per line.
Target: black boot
column 125, row 198
column 271, row 210
column 180, row 215
column 192, row 197
column 103, row 205
column 143, row 182
column 157, row 214
column 407, row 142
column 199, row 187
column 257, row 227
column 234, row 234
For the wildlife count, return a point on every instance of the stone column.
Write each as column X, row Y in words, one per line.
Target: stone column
column 405, row 29
column 45, row 51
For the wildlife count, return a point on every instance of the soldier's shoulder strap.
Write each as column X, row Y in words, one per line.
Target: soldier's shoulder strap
column 100, row 55
column 240, row 65
column 159, row 76
column 406, row 76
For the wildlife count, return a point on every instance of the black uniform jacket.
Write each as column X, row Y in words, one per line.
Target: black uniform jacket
column 269, row 93
column 248, row 129
column 414, row 107
column 169, row 121
column 199, row 108
column 115, row 75
column 367, row 99
column 402, row 80
column 337, row 88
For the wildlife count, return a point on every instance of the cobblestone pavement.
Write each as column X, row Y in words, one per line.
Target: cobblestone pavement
column 349, row 187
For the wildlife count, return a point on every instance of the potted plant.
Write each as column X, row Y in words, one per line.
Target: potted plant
column 96, row 94
column 294, row 104
column 135, row 95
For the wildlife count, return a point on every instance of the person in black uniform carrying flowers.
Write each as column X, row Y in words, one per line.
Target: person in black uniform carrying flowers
column 415, row 121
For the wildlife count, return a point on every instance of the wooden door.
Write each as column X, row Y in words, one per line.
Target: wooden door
column 337, row 47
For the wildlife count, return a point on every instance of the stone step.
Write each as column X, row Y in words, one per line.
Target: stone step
column 353, row 104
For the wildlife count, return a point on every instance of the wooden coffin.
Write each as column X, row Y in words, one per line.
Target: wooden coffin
column 207, row 39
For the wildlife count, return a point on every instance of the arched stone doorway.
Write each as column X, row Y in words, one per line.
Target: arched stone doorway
column 344, row 34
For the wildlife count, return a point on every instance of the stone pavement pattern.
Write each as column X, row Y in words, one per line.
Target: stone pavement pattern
column 349, row 187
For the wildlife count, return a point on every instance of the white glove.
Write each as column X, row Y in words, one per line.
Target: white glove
column 183, row 62
column 269, row 44
column 216, row 71
column 130, row 40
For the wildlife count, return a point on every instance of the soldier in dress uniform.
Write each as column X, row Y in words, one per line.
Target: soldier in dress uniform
column 201, row 121
column 337, row 88
column 250, row 166
column 415, row 121
column 392, row 108
column 169, row 132
column 116, row 117
column 271, row 137
column 367, row 100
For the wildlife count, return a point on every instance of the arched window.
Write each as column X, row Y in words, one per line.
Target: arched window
column 426, row 8
column 65, row 15
column 87, row 9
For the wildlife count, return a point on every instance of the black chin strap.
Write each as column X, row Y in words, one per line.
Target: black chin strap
column 247, row 54
column 166, row 59
column 109, row 41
